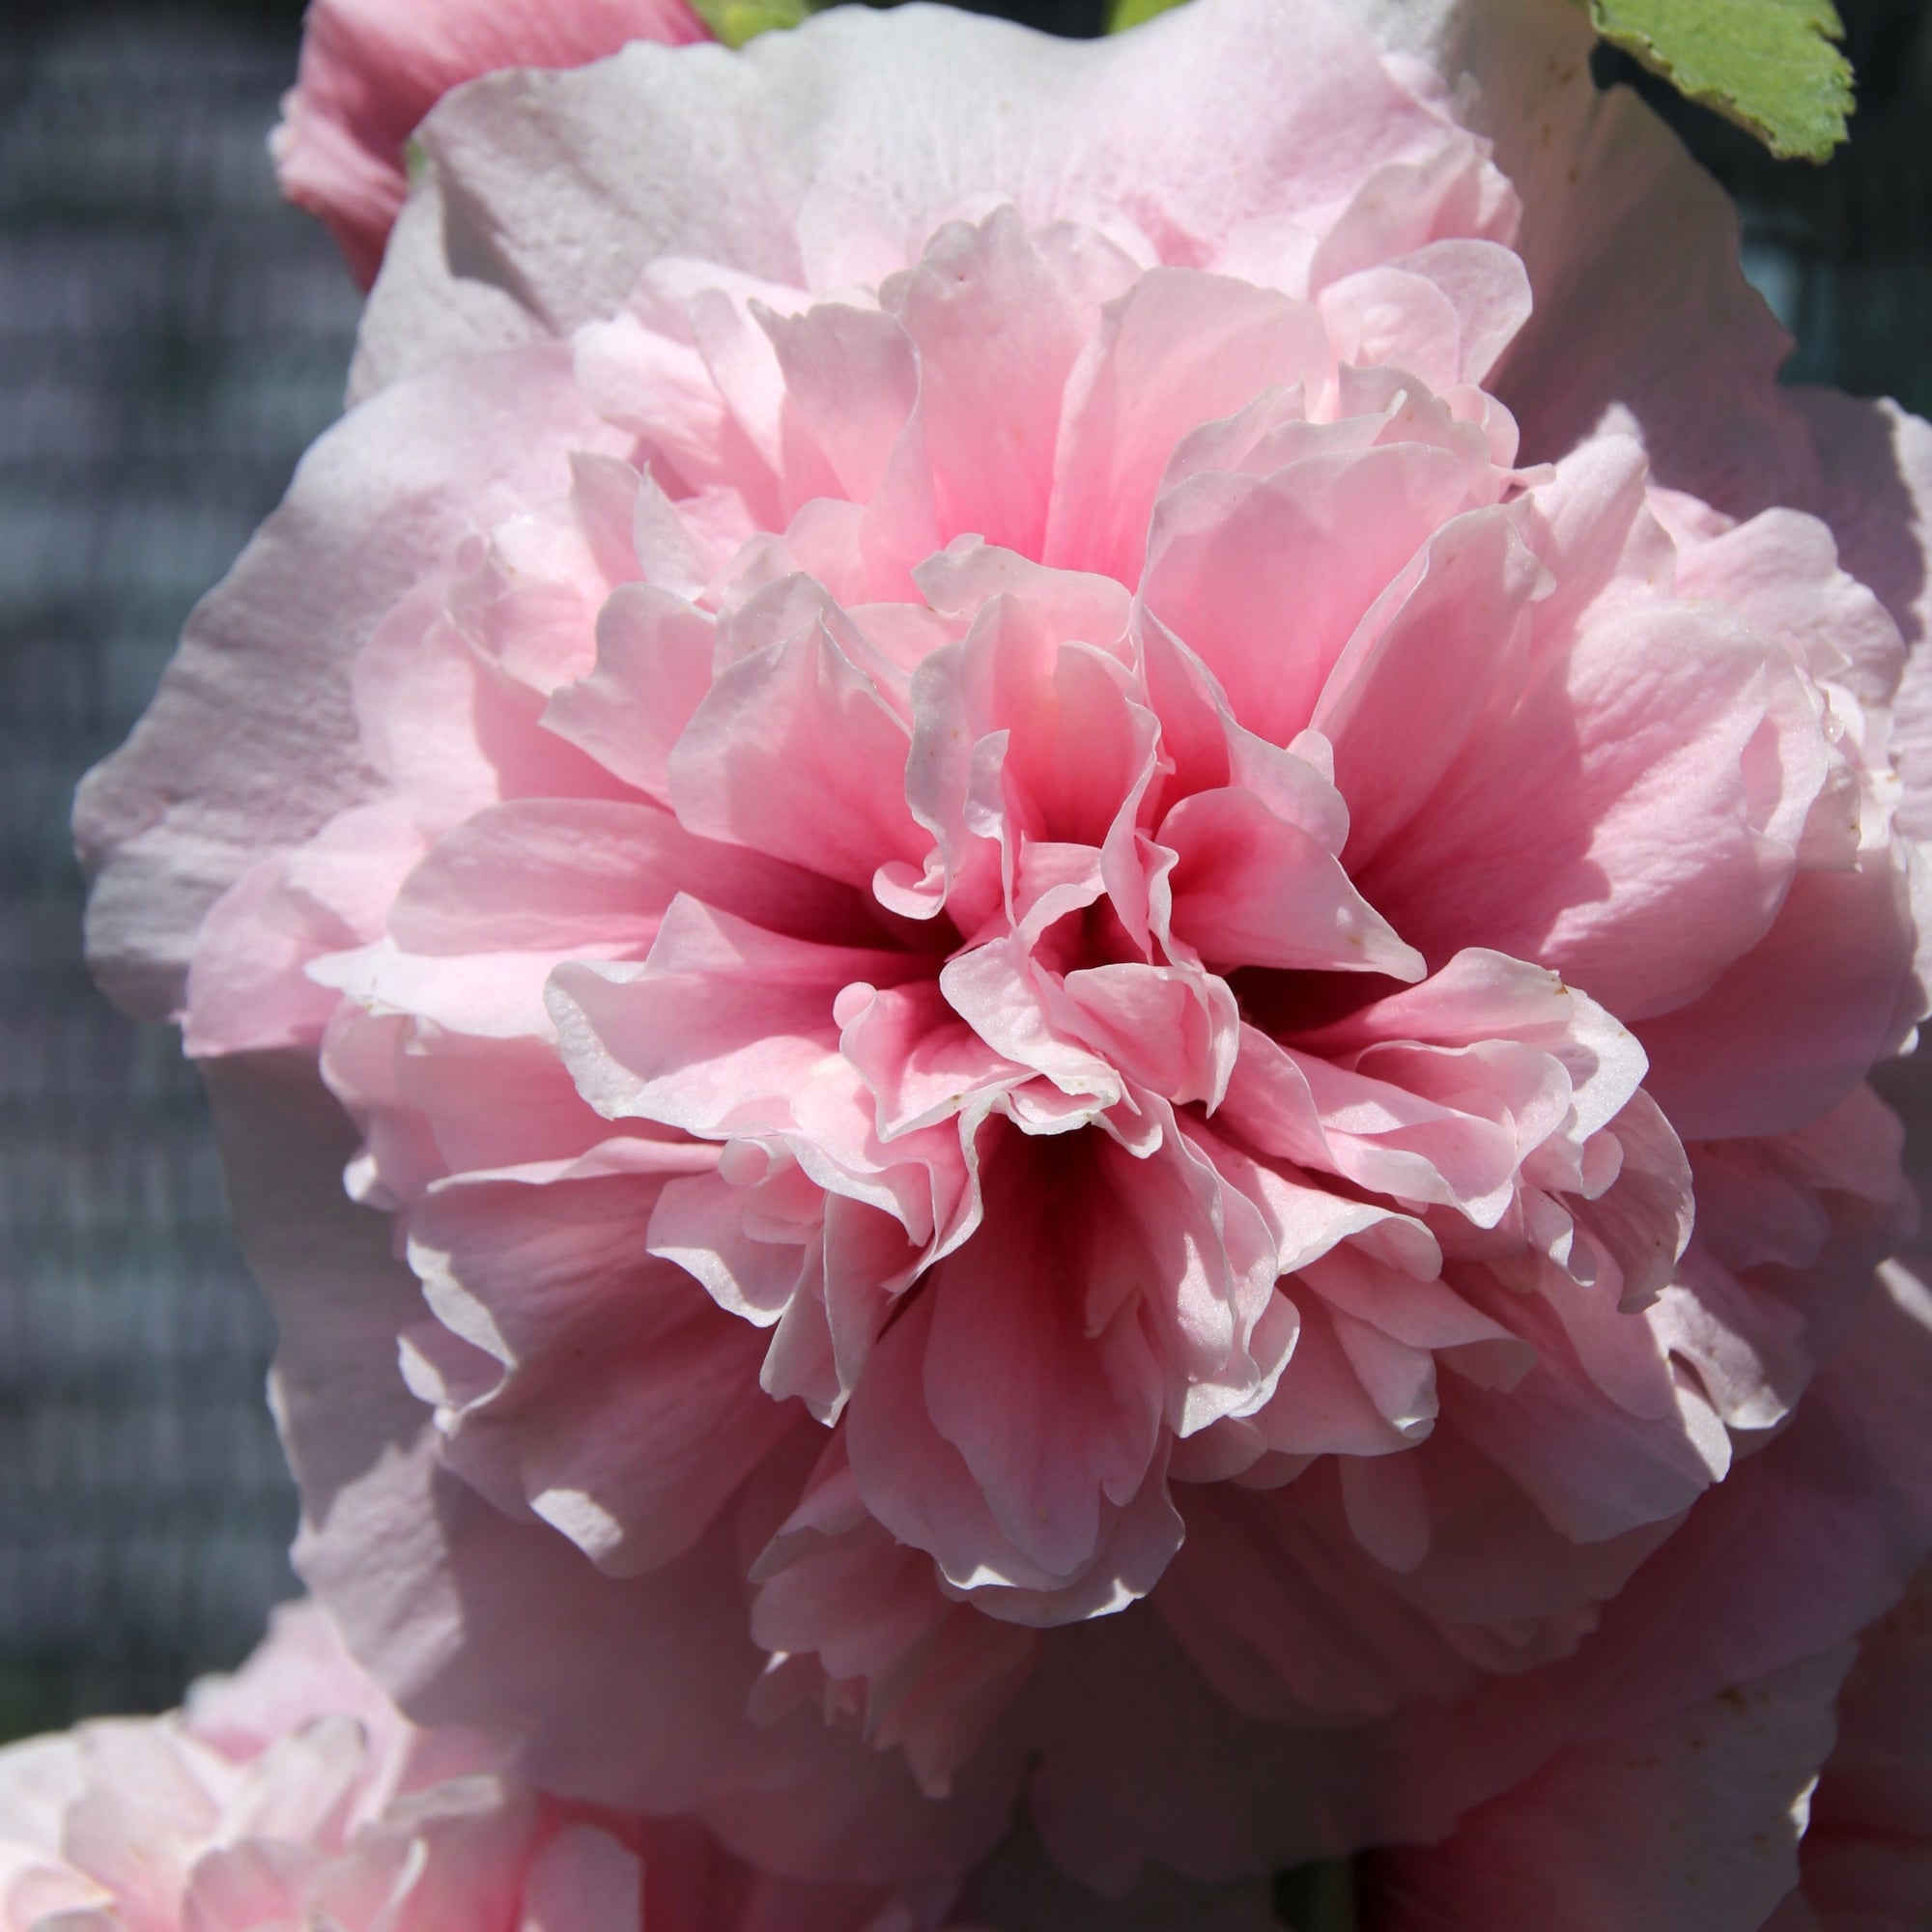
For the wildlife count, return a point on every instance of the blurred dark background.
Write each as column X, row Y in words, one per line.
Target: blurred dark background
column 170, row 339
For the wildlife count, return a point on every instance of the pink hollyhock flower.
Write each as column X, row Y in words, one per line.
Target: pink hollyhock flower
column 372, row 68
column 1074, row 824
column 293, row 1795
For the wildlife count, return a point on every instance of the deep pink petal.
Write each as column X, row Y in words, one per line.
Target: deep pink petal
column 1038, row 1369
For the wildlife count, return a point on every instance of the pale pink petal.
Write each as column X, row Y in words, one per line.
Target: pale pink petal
column 920, row 1062
column 919, row 1485
column 793, row 753
column 264, row 673
column 247, row 985
column 853, row 377
column 997, row 333
column 369, row 75
column 1402, row 698
column 647, row 639
column 1266, row 578
column 1177, row 351
column 1596, row 1469
column 545, row 173
column 1644, row 865
column 1382, row 1135
column 497, row 995
column 1593, row 529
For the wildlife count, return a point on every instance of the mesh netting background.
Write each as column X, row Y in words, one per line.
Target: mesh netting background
column 170, row 339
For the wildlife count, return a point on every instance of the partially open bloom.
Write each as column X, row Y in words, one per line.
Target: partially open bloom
column 372, row 68
column 1047, row 869
column 292, row 1796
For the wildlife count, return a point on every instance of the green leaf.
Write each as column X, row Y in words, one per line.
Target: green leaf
column 1768, row 64
column 1125, row 13
column 736, row 21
